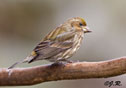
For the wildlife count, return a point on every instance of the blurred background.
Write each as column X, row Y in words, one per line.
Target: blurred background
column 23, row 23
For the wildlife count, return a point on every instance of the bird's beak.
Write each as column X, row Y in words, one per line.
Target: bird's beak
column 86, row 29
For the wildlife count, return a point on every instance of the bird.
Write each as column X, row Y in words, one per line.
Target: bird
column 60, row 44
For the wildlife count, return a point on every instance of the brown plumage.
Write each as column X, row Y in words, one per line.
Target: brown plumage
column 61, row 43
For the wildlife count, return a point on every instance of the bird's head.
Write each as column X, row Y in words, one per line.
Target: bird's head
column 78, row 24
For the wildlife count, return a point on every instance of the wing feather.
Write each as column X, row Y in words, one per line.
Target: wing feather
column 48, row 48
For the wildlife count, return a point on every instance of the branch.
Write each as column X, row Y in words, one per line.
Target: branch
column 54, row 72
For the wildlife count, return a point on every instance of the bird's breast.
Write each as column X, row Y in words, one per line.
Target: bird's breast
column 77, row 40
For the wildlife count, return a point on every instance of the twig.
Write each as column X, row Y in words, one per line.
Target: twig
column 54, row 72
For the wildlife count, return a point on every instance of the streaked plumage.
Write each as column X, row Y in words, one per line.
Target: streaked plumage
column 61, row 43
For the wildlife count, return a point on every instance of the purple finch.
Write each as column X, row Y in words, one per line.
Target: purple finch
column 61, row 43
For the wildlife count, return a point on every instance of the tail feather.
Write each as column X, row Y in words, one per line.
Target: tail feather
column 29, row 58
column 12, row 66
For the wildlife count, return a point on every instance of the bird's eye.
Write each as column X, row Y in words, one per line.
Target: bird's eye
column 80, row 24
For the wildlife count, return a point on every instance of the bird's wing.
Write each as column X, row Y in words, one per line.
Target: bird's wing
column 49, row 48
column 52, row 48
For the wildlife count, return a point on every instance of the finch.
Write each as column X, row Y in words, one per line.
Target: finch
column 60, row 44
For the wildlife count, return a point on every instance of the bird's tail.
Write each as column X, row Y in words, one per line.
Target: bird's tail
column 12, row 66
column 22, row 61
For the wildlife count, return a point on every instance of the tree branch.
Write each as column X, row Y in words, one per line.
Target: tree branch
column 54, row 72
